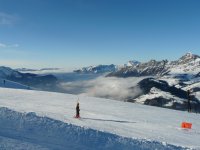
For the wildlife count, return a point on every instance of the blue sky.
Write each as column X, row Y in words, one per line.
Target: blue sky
column 76, row 33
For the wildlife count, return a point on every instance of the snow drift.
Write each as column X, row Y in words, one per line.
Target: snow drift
column 48, row 133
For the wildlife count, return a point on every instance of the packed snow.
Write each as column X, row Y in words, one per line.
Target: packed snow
column 45, row 120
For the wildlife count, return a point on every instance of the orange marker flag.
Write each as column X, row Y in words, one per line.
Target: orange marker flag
column 186, row 125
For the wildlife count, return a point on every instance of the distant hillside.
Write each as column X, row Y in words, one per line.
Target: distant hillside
column 10, row 84
column 44, row 82
column 157, row 92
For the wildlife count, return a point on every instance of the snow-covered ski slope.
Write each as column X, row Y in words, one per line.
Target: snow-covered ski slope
column 44, row 120
column 11, row 84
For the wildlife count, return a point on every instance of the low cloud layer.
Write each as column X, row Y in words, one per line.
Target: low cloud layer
column 105, row 87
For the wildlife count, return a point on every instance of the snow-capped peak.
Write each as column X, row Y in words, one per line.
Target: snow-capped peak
column 188, row 57
column 132, row 63
column 97, row 69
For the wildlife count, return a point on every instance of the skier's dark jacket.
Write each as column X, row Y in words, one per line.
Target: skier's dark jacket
column 77, row 110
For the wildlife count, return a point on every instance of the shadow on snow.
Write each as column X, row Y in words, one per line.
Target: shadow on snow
column 108, row 120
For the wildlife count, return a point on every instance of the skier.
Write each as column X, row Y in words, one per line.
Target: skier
column 4, row 82
column 77, row 110
column 189, row 99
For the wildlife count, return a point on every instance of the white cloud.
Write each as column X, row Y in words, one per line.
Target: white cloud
column 2, row 45
column 14, row 45
column 106, row 87
column 7, row 19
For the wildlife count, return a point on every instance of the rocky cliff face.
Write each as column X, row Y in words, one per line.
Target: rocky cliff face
column 186, row 64
column 97, row 69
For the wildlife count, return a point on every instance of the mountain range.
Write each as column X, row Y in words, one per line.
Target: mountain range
column 189, row 63
column 97, row 69
column 166, row 83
